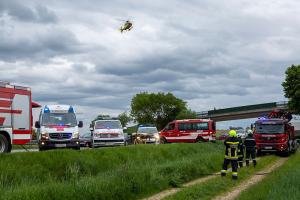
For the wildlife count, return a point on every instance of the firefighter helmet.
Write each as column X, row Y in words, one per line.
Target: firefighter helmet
column 232, row 133
column 250, row 132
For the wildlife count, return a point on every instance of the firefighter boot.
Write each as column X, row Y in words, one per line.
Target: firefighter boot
column 223, row 172
column 241, row 164
column 247, row 163
column 234, row 176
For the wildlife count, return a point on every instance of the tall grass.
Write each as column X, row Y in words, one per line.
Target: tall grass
column 283, row 183
column 218, row 185
column 110, row 173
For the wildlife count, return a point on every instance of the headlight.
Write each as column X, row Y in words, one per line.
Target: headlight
column 75, row 135
column 45, row 135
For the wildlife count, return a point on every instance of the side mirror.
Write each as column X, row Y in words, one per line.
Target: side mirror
column 37, row 124
column 80, row 124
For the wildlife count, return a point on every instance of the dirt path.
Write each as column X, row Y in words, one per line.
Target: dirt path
column 253, row 180
column 172, row 191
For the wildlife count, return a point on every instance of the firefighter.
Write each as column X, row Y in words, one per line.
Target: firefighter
column 231, row 150
column 240, row 152
column 250, row 148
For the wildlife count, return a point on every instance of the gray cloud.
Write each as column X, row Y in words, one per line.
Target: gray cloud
column 209, row 53
column 27, row 13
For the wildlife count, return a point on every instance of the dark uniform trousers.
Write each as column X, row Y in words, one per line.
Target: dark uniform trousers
column 250, row 153
column 231, row 156
column 250, row 150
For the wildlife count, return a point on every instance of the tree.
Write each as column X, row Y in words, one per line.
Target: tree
column 156, row 108
column 187, row 114
column 291, row 87
column 124, row 118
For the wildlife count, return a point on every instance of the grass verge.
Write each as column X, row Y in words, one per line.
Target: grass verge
column 110, row 173
column 281, row 184
column 219, row 185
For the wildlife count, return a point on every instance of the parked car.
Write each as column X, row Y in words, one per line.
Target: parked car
column 86, row 140
column 146, row 134
column 107, row 131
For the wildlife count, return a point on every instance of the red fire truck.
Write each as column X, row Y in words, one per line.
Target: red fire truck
column 15, row 115
column 189, row 130
column 275, row 134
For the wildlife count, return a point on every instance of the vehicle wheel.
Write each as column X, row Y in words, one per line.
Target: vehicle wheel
column 163, row 140
column 4, row 144
column 41, row 149
column 199, row 140
column 77, row 148
column 287, row 152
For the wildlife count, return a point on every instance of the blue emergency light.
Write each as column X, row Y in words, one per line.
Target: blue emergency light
column 46, row 110
column 71, row 110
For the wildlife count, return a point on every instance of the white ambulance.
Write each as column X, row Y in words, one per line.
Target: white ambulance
column 57, row 128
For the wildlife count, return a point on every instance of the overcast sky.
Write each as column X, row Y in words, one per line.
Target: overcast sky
column 210, row 53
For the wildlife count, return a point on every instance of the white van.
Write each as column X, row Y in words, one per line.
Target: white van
column 107, row 132
column 57, row 127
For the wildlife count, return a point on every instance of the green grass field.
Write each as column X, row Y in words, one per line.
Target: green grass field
column 219, row 185
column 282, row 184
column 109, row 173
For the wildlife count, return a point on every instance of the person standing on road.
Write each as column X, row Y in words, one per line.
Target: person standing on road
column 240, row 152
column 250, row 148
column 231, row 156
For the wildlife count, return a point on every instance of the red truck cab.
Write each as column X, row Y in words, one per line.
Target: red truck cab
column 275, row 135
column 189, row 130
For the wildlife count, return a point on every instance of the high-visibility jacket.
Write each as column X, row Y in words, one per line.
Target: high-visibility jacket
column 231, row 148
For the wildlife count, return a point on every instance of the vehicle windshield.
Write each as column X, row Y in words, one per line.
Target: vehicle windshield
column 108, row 125
column 150, row 130
column 269, row 128
column 60, row 119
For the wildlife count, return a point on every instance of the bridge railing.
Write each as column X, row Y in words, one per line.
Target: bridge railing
column 273, row 105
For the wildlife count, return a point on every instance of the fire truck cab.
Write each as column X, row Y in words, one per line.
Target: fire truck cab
column 274, row 134
column 15, row 115
column 189, row 130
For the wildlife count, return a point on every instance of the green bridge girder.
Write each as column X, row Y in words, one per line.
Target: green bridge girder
column 242, row 112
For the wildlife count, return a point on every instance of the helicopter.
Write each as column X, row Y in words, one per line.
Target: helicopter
column 127, row 26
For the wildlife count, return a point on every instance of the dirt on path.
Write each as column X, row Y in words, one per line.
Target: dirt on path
column 259, row 176
column 172, row 191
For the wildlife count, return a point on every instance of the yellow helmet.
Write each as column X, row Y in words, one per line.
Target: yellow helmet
column 232, row 133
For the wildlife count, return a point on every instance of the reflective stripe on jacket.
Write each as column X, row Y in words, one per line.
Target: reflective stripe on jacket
column 231, row 151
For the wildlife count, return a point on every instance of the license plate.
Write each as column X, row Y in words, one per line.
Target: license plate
column 60, row 145
column 268, row 147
